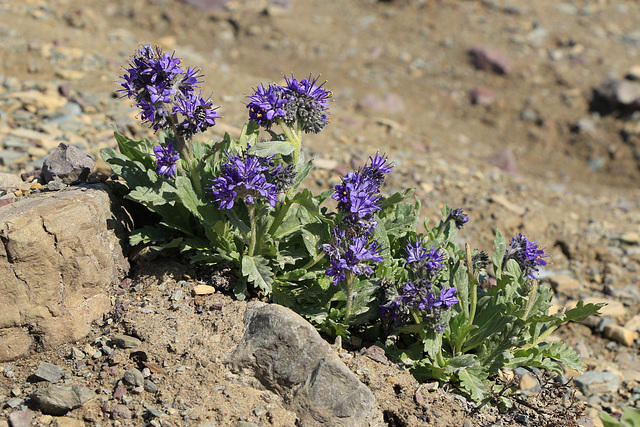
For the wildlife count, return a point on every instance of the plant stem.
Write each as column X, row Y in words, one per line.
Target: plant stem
column 186, row 151
column 294, row 137
column 473, row 285
column 439, row 357
column 348, row 278
column 252, row 222
column 530, row 298
column 281, row 211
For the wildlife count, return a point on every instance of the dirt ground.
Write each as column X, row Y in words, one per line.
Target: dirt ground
column 542, row 157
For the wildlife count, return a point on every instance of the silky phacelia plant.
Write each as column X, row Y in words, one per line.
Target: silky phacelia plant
column 358, row 195
column 360, row 270
column 353, row 245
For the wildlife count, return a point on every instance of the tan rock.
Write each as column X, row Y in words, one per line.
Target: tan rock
column 67, row 422
column 528, row 382
column 619, row 334
column 633, row 324
column 564, row 285
column 40, row 100
column 15, row 342
column 204, row 289
column 61, row 252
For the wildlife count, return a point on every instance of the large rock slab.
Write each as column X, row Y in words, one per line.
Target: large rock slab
column 59, row 253
column 286, row 355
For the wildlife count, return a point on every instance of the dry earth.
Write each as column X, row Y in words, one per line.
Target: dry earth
column 543, row 157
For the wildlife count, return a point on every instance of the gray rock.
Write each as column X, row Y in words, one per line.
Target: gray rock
column 133, row 377
column 126, row 341
column 49, row 372
column 597, row 382
column 9, row 156
column 490, row 60
column 56, row 185
column 21, row 418
column 120, row 412
column 10, row 180
column 150, row 387
column 61, row 253
column 58, row 400
column 287, row 355
column 67, row 164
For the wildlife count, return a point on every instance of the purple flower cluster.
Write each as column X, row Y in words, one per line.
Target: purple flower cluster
column 162, row 90
column 247, row 177
column 359, row 193
column 166, row 160
column 302, row 101
column 350, row 254
column 458, row 217
column 358, row 196
column 420, row 294
column 527, row 254
column 266, row 105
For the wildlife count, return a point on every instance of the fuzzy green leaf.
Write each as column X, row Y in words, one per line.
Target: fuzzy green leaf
column 473, row 382
column 257, row 271
column 271, row 148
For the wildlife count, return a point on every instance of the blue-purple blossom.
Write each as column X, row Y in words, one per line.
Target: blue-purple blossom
column 350, row 254
column 423, row 258
column 359, row 193
column 162, row 90
column 458, row 217
column 306, row 103
column 421, row 298
column 266, row 105
column 527, row 254
column 166, row 159
column 448, row 297
column 247, row 177
column 198, row 113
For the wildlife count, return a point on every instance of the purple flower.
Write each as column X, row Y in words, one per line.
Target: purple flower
column 162, row 89
column 359, row 193
column 245, row 177
column 348, row 253
column 166, row 159
column 423, row 259
column 266, row 105
column 198, row 114
column 458, row 217
column 448, row 297
column 527, row 254
column 306, row 103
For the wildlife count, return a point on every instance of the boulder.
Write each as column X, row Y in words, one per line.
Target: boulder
column 67, row 164
column 286, row 355
column 59, row 255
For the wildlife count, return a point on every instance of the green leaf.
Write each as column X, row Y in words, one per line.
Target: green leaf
column 609, row 421
column 500, row 248
column 150, row 234
column 271, row 148
column 257, row 271
column 187, row 195
column 249, row 135
column 631, row 417
column 301, row 174
column 473, row 382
